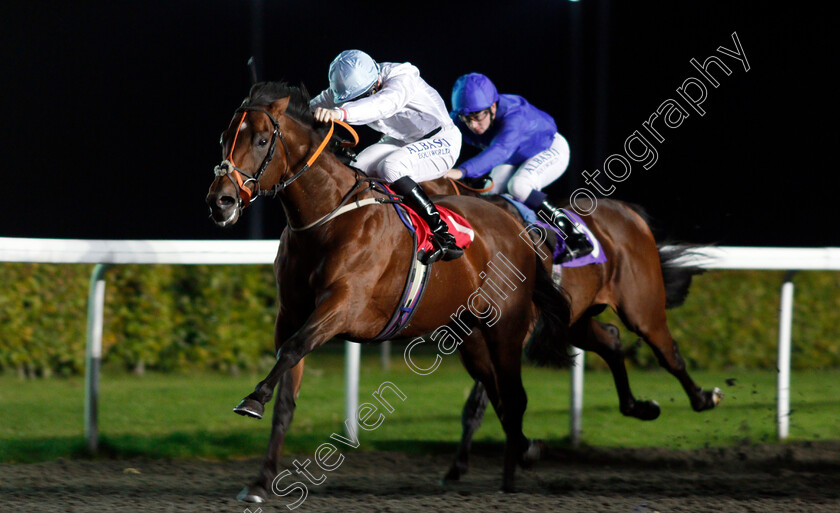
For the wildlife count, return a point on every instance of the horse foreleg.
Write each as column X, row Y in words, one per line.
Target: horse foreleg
column 471, row 419
column 322, row 325
column 284, row 410
column 603, row 339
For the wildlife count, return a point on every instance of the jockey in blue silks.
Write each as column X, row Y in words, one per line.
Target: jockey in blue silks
column 522, row 150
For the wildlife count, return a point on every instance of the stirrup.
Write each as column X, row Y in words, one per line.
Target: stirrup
column 577, row 245
column 443, row 248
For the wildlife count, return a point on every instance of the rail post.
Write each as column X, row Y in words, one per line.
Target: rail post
column 352, row 352
column 576, row 400
column 783, row 379
column 93, row 354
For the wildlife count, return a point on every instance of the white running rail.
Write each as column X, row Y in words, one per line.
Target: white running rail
column 106, row 253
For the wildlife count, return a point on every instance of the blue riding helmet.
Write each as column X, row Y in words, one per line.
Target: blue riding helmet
column 473, row 92
column 352, row 74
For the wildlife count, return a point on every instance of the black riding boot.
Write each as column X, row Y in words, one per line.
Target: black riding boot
column 577, row 245
column 445, row 247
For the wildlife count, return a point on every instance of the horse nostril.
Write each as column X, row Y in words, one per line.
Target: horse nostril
column 225, row 202
column 220, row 201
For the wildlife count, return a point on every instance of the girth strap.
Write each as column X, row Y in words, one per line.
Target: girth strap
column 415, row 287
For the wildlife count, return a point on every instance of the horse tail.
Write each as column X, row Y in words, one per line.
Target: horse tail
column 549, row 344
column 677, row 277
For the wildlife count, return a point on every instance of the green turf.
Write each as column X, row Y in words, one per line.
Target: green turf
column 187, row 416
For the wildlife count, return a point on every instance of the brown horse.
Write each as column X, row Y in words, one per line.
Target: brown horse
column 635, row 285
column 334, row 282
column 342, row 276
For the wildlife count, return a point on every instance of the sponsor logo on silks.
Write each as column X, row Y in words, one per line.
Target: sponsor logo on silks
column 432, row 153
column 429, row 144
column 548, row 155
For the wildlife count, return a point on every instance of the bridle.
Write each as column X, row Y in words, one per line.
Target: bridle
column 234, row 173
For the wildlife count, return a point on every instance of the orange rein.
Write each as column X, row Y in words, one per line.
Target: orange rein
column 246, row 193
column 327, row 139
column 456, row 183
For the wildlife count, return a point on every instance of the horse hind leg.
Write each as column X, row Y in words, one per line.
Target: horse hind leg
column 497, row 367
column 475, row 357
column 471, row 418
column 507, row 360
column 653, row 328
column 603, row 339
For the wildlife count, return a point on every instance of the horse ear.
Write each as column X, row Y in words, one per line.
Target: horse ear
column 278, row 107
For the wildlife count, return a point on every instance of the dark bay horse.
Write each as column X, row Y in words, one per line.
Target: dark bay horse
column 343, row 276
column 635, row 285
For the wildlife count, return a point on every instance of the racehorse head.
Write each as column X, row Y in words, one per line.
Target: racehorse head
column 259, row 148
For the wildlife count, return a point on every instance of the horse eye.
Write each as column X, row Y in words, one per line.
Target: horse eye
column 262, row 142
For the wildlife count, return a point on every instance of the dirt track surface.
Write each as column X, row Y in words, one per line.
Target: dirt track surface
column 789, row 478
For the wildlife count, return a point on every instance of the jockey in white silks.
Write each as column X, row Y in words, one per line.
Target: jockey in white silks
column 420, row 142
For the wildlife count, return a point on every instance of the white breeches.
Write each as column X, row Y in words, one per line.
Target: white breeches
column 535, row 173
column 426, row 159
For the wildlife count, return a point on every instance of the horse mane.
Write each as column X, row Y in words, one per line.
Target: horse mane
column 265, row 93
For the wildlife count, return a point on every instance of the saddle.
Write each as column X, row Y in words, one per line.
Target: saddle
column 458, row 227
column 418, row 274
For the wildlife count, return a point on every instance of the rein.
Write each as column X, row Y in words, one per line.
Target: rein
column 456, row 183
column 228, row 166
column 234, row 173
column 282, row 185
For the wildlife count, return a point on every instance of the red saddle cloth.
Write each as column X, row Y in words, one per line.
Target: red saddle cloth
column 458, row 226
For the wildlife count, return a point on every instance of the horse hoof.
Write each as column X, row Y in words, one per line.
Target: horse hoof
column 536, row 449
column 454, row 474
column 246, row 495
column 717, row 396
column 250, row 408
column 647, row 410
column 708, row 399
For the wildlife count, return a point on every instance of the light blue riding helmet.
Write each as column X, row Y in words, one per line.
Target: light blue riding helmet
column 471, row 93
column 352, row 74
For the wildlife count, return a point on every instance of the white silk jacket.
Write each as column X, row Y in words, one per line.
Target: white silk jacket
column 405, row 108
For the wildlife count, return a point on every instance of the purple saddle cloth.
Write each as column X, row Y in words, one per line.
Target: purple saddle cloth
column 597, row 256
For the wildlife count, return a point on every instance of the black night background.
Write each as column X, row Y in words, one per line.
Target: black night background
column 111, row 111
